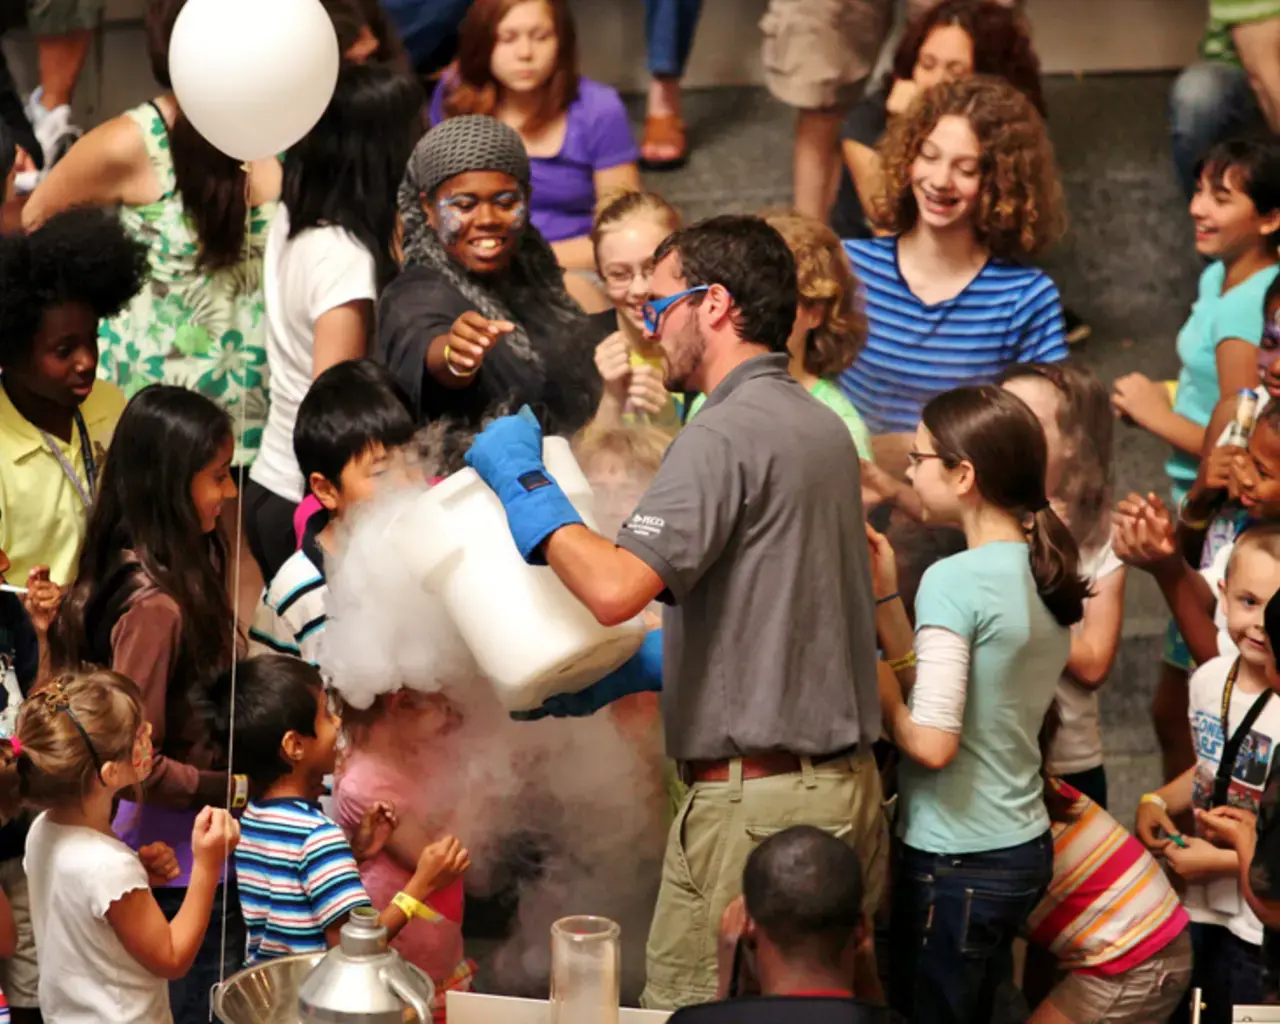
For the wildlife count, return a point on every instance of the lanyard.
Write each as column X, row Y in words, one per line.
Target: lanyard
column 1222, row 781
column 86, row 453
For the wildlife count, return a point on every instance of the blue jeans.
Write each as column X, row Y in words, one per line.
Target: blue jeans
column 429, row 28
column 952, row 926
column 189, row 996
column 1208, row 102
column 668, row 33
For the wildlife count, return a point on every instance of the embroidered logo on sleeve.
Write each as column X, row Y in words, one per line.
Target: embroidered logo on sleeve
column 534, row 480
column 646, row 526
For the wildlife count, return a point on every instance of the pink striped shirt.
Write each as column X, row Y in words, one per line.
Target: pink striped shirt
column 1109, row 906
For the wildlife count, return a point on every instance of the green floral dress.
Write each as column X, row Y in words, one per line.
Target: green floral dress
column 188, row 326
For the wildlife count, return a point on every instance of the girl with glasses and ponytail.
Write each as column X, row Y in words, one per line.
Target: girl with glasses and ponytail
column 964, row 696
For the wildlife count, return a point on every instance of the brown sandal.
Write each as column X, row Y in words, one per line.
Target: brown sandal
column 666, row 130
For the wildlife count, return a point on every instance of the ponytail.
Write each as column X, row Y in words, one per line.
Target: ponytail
column 1055, row 566
column 998, row 434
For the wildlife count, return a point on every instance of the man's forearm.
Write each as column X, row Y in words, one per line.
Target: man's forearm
column 614, row 584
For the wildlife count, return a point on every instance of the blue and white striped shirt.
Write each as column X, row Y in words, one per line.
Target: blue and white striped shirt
column 1007, row 314
column 297, row 876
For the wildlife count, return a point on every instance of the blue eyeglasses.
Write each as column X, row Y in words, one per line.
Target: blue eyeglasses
column 653, row 310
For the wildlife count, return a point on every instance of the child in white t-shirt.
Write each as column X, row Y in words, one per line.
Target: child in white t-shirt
column 106, row 949
column 1234, row 719
column 1074, row 408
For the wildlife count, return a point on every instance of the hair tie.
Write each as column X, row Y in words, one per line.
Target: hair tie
column 16, row 745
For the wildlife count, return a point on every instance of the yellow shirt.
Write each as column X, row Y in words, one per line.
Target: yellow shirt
column 42, row 520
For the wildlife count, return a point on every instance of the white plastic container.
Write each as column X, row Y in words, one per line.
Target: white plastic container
column 526, row 631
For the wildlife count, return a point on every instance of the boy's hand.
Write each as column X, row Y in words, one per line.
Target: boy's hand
column 1139, row 398
column 213, row 838
column 1216, row 469
column 441, row 864
column 1142, row 532
column 375, row 829
column 733, row 922
column 161, row 863
column 42, row 599
column 1231, row 826
column 1154, row 827
column 1198, row 859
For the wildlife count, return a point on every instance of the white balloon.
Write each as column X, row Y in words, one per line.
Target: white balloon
column 253, row 76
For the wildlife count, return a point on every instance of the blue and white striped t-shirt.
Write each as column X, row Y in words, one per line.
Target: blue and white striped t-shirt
column 1008, row 314
column 297, row 876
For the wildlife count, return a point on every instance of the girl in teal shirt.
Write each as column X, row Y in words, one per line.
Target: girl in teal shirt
column 992, row 637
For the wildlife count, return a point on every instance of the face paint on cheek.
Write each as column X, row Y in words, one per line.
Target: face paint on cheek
column 451, row 222
column 519, row 215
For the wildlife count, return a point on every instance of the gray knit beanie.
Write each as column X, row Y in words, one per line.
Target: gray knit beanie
column 474, row 142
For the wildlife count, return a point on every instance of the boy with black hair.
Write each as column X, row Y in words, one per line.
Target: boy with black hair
column 296, row 870
column 795, row 942
column 349, row 425
column 56, row 284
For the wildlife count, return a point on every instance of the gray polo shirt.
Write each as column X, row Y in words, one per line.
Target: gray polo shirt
column 754, row 522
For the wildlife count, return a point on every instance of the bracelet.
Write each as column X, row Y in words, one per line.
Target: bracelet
column 240, row 791
column 448, row 362
column 412, row 908
column 887, row 598
column 1154, row 798
column 908, row 660
column 1190, row 524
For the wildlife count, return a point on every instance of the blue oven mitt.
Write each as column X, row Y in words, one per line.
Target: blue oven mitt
column 642, row 674
column 508, row 456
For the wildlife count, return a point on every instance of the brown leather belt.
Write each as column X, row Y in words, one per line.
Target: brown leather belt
column 757, row 766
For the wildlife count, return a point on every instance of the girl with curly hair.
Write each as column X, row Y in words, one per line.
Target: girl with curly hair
column 972, row 192
column 949, row 41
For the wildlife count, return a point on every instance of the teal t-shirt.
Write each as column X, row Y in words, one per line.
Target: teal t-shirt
column 833, row 398
column 990, row 796
column 1214, row 318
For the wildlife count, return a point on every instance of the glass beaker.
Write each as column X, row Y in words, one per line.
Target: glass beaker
column 585, row 968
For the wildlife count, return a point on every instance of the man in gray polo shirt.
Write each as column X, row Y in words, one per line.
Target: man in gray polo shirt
column 752, row 534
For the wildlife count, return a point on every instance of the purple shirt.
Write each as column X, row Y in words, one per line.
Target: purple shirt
column 597, row 137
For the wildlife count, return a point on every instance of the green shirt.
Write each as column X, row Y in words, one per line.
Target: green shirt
column 833, row 398
column 1217, row 45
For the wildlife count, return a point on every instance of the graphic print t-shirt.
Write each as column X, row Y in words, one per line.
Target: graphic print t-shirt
column 1218, row 901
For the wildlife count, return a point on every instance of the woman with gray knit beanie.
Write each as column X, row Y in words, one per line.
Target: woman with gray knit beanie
column 479, row 321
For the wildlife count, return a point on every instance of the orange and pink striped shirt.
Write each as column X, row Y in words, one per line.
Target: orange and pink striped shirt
column 1109, row 906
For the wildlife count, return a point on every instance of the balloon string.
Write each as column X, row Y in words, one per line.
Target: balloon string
column 235, row 603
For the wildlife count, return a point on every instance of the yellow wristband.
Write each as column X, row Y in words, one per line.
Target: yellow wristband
column 1154, row 798
column 412, row 908
column 239, row 792
column 908, row 660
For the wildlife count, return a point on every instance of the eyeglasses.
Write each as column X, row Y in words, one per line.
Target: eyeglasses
column 915, row 458
column 654, row 309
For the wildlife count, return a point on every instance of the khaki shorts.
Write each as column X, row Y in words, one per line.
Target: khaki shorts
column 715, row 830
column 818, row 53
column 19, row 975
column 58, row 17
column 1144, row 994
